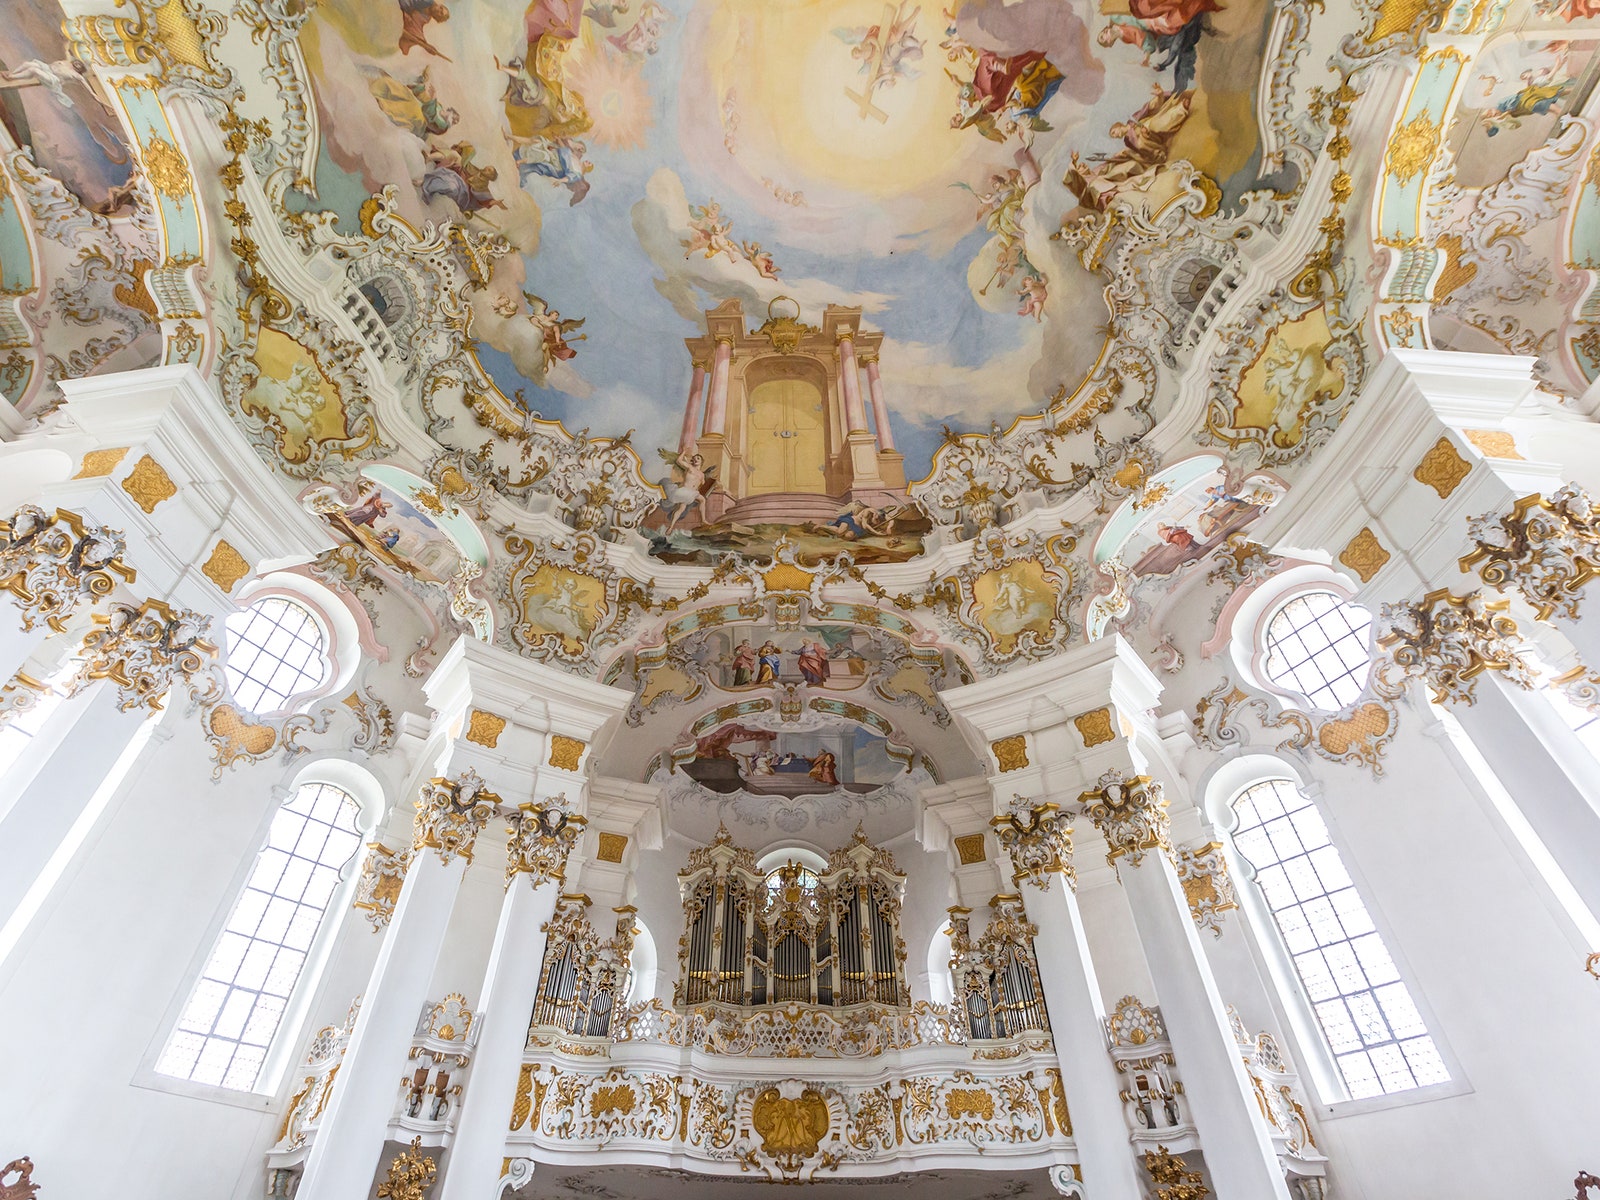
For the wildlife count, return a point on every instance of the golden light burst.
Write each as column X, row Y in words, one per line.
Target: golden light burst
column 614, row 92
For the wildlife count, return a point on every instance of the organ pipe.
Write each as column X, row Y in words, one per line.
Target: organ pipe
column 792, row 935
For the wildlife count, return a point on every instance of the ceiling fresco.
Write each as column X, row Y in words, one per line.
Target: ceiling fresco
column 787, row 361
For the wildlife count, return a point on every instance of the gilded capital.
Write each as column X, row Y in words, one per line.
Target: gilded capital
column 1130, row 813
column 1447, row 641
column 144, row 650
column 1547, row 548
column 53, row 564
column 1039, row 840
column 450, row 815
column 542, row 835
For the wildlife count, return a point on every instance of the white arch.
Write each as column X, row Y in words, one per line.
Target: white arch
column 941, row 985
column 642, row 963
column 360, row 783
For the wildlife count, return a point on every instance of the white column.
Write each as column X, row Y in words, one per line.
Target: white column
column 1547, row 771
column 1076, row 1011
column 1233, row 1134
column 349, row 1144
column 510, row 989
column 51, row 788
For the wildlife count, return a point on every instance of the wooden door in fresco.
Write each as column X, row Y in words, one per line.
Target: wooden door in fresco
column 787, row 449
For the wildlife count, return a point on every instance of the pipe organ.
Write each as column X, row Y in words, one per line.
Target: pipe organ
column 791, row 935
column 997, row 976
column 583, row 979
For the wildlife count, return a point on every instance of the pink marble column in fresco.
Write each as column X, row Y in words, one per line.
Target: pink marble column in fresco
column 855, row 413
column 880, row 413
column 695, row 410
column 717, row 404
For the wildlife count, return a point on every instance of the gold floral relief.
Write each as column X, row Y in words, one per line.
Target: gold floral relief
column 565, row 752
column 1493, row 443
column 99, row 463
column 1412, row 147
column 226, row 566
column 1364, row 555
column 1011, row 752
column 166, row 168
column 970, row 849
column 612, row 847
column 965, row 1102
column 1095, row 727
column 1442, row 468
column 484, row 729
column 148, row 484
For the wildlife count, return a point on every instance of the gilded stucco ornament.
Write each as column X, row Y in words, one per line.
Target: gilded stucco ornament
column 410, row 1174
column 53, row 564
column 541, row 837
column 1038, row 837
column 1546, row 548
column 450, row 815
column 1447, row 641
column 1207, row 886
column 144, row 650
column 1130, row 813
column 383, row 874
column 1173, row 1179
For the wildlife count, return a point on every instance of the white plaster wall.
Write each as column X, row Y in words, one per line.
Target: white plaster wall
column 1495, row 969
column 91, row 989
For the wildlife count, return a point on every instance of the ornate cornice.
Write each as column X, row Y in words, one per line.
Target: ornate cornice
column 542, row 835
column 450, row 815
column 1039, row 840
column 1130, row 813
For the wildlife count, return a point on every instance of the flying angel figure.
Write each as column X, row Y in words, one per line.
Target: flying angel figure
column 885, row 51
column 555, row 333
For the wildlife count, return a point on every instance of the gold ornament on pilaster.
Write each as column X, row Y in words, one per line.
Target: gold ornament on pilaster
column 145, row 650
column 1038, row 838
column 383, row 873
column 1447, row 641
column 542, row 835
column 410, row 1174
column 1173, row 1179
column 450, row 815
column 1207, row 886
column 51, row 565
column 1130, row 813
column 1548, row 549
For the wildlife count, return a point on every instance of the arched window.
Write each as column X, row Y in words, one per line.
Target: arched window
column 234, row 1011
column 1373, row 1031
column 1318, row 644
column 276, row 651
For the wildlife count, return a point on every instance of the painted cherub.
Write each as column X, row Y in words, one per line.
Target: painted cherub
column 709, row 231
column 760, row 259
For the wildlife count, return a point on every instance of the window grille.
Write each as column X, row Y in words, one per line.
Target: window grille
column 1366, row 1014
column 275, row 651
column 238, row 1003
column 1318, row 644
